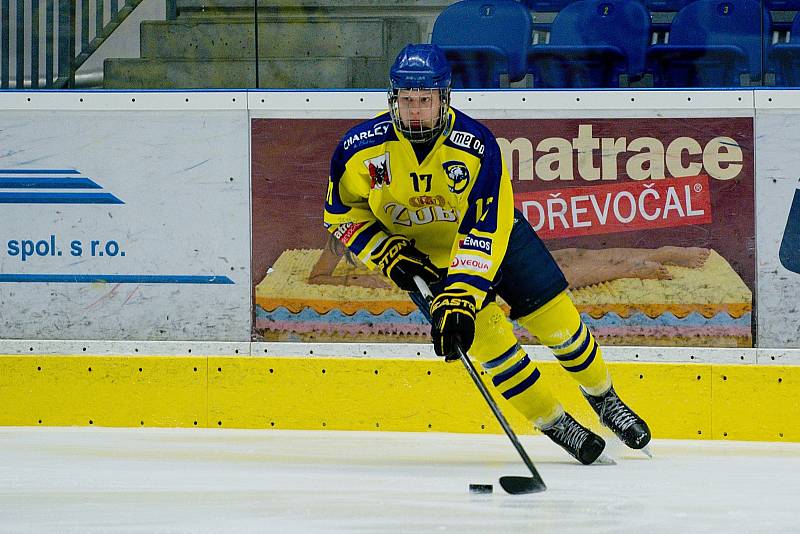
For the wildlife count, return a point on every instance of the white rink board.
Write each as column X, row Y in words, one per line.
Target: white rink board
column 170, row 156
column 777, row 180
column 178, row 267
column 379, row 351
column 512, row 104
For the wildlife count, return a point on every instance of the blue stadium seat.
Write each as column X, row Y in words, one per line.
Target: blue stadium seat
column 592, row 43
column 784, row 58
column 712, row 43
column 483, row 39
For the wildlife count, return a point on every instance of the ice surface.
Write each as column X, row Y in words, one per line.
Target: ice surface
column 214, row 480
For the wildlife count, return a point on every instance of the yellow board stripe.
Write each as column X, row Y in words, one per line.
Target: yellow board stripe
column 680, row 401
column 103, row 391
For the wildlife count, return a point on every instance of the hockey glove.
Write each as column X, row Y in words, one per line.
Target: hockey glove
column 453, row 320
column 401, row 261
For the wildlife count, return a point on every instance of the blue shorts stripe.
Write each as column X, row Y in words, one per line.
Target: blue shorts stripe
column 511, row 371
column 522, row 386
column 497, row 362
column 577, row 352
column 475, row 281
column 585, row 364
column 571, row 340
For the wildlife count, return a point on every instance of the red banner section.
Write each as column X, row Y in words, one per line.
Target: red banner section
column 623, row 207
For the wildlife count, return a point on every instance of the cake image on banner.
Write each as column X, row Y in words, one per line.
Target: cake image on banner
column 636, row 296
column 651, row 219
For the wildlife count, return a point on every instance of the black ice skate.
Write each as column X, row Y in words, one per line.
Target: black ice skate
column 616, row 415
column 583, row 444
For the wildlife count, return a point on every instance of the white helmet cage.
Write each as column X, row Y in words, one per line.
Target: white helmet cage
column 418, row 131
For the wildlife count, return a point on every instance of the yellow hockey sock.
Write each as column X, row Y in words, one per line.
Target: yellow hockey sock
column 558, row 325
column 512, row 372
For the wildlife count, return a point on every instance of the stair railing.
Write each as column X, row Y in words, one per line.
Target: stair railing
column 62, row 26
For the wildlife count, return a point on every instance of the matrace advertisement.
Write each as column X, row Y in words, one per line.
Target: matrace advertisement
column 651, row 220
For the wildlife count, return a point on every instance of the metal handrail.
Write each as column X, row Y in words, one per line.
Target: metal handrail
column 62, row 25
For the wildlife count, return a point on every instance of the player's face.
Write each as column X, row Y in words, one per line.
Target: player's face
column 418, row 108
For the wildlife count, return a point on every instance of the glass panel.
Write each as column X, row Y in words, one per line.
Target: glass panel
column 533, row 43
column 352, row 43
column 782, row 43
column 206, row 44
column 127, row 44
column 650, row 43
column 345, row 44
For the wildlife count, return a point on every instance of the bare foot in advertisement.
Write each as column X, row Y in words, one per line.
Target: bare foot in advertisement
column 584, row 267
column 692, row 257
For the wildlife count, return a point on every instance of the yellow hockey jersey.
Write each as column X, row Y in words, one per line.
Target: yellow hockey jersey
column 457, row 204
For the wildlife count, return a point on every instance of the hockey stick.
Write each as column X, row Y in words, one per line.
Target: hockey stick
column 514, row 485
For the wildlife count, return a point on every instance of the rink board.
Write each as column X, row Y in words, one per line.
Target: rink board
column 679, row 400
column 178, row 238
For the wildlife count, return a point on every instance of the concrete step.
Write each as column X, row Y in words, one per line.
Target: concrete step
column 302, row 44
column 335, row 73
column 311, row 7
column 424, row 11
column 307, row 38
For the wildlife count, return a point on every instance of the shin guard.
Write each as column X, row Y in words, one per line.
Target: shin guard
column 513, row 374
column 558, row 325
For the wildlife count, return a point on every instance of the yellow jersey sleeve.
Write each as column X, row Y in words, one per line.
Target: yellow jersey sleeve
column 348, row 215
column 486, row 221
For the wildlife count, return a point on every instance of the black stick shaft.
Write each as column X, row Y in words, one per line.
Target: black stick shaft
column 473, row 373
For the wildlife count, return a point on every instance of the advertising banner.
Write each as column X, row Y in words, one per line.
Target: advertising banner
column 123, row 225
column 651, row 220
column 778, row 206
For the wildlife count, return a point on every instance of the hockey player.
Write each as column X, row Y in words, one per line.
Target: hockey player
column 422, row 190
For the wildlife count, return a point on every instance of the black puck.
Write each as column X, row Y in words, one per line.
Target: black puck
column 480, row 488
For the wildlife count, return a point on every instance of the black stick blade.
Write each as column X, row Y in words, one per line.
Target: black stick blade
column 521, row 485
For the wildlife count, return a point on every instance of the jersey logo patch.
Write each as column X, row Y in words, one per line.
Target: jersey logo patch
column 457, row 175
column 367, row 136
column 467, row 141
column 482, row 244
column 379, row 172
column 426, row 200
column 468, row 262
column 344, row 232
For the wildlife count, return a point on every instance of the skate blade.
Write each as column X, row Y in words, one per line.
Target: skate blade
column 620, row 449
column 606, row 456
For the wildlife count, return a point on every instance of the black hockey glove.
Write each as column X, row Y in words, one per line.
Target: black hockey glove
column 453, row 320
column 401, row 261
